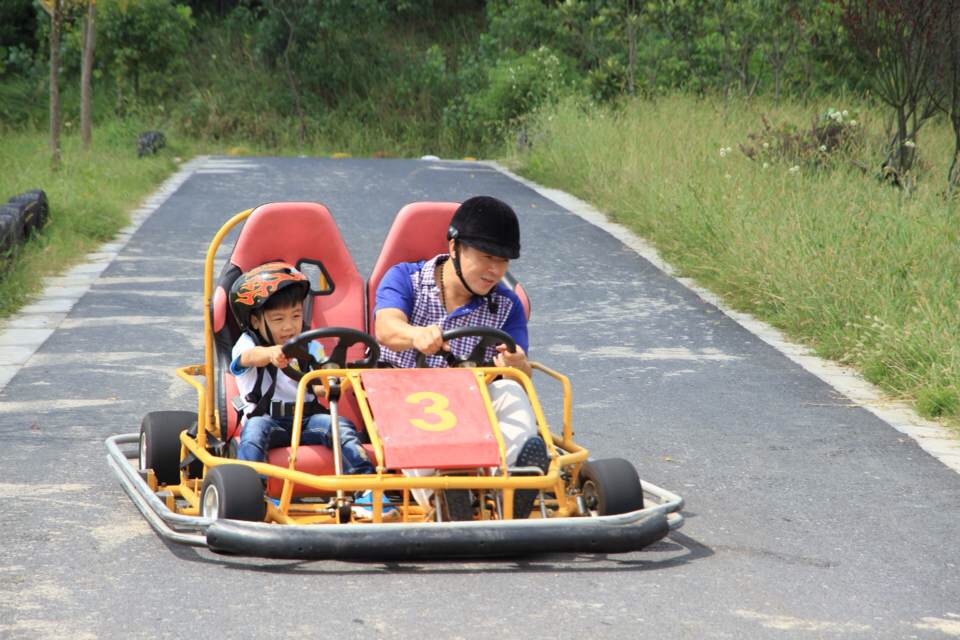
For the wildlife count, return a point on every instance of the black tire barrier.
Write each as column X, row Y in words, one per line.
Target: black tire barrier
column 11, row 230
column 34, row 210
column 149, row 142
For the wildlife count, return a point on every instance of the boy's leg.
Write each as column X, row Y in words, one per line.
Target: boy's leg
column 316, row 430
column 255, row 439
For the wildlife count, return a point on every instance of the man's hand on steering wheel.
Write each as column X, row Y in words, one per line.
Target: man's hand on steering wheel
column 505, row 358
column 489, row 337
column 429, row 340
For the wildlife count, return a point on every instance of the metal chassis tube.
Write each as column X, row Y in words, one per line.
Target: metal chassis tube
column 604, row 534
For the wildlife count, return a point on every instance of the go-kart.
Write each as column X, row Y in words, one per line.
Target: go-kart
column 183, row 477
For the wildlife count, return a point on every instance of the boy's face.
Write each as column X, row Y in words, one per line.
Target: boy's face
column 284, row 323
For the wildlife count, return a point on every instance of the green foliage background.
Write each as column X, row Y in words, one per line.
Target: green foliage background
column 407, row 76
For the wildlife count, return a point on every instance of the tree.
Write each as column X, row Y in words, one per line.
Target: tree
column 897, row 38
column 55, row 9
column 285, row 13
column 945, row 90
column 784, row 30
column 89, row 36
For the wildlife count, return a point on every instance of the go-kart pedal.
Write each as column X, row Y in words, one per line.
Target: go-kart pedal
column 363, row 507
column 533, row 454
column 459, row 503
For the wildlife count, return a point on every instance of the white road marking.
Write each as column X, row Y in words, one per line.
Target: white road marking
column 948, row 627
column 940, row 442
column 48, row 406
column 790, row 623
column 14, row 490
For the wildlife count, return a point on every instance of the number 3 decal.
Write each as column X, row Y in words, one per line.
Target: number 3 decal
column 437, row 408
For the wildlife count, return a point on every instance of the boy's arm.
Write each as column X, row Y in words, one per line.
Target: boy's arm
column 262, row 356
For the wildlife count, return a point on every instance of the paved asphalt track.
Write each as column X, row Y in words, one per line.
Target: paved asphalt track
column 807, row 517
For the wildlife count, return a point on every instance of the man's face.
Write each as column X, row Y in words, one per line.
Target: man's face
column 284, row 323
column 482, row 271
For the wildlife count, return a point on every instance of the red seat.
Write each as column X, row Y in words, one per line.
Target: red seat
column 419, row 232
column 301, row 233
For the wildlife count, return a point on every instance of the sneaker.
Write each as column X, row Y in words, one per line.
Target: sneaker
column 363, row 507
column 459, row 503
column 533, row 454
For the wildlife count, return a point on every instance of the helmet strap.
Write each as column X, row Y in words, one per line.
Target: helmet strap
column 456, row 267
column 455, row 258
column 263, row 335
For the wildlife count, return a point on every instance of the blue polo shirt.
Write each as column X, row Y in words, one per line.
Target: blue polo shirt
column 411, row 288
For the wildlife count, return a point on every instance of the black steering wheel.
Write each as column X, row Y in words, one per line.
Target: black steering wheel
column 489, row 337
column 346, row 338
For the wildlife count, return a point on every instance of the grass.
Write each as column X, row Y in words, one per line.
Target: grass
column 830, row 255
column 90, row 198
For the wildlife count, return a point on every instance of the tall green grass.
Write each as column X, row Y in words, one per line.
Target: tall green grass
column 90, row 198
column 835, row 258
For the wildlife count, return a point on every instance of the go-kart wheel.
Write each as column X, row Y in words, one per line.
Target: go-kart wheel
column 610, row 486
column 233, row 491
column 160, row 443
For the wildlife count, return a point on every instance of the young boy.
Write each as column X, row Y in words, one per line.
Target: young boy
column 268, row 304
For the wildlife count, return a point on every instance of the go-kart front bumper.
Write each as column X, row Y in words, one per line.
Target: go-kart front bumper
column 407, row 541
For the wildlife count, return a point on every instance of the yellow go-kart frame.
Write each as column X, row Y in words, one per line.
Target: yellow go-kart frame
column 571, row 515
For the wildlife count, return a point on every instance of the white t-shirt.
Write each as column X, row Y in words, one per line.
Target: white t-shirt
column 286, row 390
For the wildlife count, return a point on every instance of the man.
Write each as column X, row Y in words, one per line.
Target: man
column 418, row 301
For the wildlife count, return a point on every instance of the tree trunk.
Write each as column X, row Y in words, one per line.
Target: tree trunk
column 631, row 53
column 292, row 79
column 953, row 178
column 776, row 85
column 89, row 38
column 55, row 19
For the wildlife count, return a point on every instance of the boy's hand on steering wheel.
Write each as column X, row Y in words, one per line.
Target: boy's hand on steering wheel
column 277, row 357
column 429, row 340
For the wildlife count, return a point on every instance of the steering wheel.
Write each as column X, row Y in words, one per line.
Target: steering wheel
column 346, row 338
column 488, row 337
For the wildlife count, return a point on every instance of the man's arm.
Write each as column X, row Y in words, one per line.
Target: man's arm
column 395, row 332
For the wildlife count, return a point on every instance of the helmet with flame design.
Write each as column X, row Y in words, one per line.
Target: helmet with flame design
column 250, row 291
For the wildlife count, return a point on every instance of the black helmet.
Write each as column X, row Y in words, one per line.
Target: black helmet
column 487, row 224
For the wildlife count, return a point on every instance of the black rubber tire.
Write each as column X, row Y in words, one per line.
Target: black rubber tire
column 239, row 494
column 611, row 486
column 11, row 229
column 34, row 210
column 160, row 443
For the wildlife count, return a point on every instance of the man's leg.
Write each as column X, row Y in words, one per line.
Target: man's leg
column 524, row 446
column 517, row 420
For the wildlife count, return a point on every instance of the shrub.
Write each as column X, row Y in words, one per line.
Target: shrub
column 514, row 88
column 832, row 136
